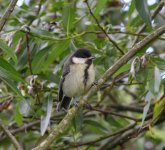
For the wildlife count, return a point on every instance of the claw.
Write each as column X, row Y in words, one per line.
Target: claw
column 75, row 103
column 95, row 83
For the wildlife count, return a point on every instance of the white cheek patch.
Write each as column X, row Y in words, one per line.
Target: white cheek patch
column 77, row 60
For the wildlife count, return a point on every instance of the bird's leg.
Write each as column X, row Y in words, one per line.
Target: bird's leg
column 95, row 83
column 65, row 110
column 75, row 101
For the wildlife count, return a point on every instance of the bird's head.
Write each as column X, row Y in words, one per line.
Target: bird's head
column 82, row 56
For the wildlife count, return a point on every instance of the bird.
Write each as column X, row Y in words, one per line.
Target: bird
column 78, row 75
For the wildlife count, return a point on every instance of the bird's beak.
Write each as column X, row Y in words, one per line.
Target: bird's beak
column 91, row 58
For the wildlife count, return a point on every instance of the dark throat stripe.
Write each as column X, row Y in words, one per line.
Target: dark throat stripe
column 86, row 74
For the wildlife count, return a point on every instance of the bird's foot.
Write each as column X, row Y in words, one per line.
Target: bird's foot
column 95, row 83
column 75, row 103
column 65, row 110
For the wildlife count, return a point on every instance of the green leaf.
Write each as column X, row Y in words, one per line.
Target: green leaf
column 7, row 71
column 56, row 52
column 39, row 60
column 95, row 124
column 131, row 8
column 68, row 17
column 99, row 6
column 156, row 134
column 78, row 120
column 8, row 75
column 18, row 116
column 158, row 109
column 8, row 50
column 123, row 69
column 12, row 85
column 143, row 10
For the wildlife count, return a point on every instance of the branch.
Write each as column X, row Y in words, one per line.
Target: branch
column 106, row 34
column 7, row 13
column 13, row 139
column 60, row 128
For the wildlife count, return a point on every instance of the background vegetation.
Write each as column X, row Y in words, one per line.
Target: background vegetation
column 125, row 111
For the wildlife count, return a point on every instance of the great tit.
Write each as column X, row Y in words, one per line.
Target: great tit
column 77, row 77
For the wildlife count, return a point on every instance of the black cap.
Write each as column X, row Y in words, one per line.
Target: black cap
column 82, row 53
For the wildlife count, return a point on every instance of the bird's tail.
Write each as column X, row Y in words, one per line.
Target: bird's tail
column 64, row 104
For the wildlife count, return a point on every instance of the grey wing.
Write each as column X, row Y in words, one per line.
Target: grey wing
column 60, row 91
column 63, row 101
column 64, row 73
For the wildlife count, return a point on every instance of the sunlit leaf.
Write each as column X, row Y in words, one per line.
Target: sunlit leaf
column 158, row 109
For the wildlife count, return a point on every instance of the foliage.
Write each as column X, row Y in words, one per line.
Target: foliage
column 48, row 31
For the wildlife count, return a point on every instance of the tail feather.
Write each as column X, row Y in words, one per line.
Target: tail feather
column 64, row 104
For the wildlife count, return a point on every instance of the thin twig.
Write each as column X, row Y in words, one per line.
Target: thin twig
column 28, row 53
column 7, row 13
column 127, row 108
column 13, row 139
column 29, row 63
column 112, row 41
column 112, row 113
column 74, row 36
